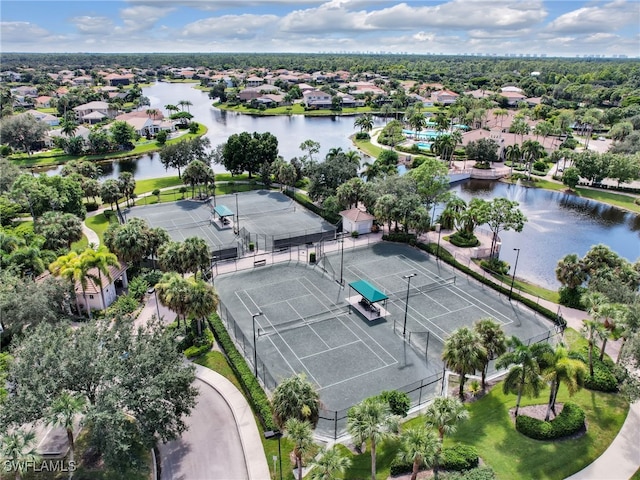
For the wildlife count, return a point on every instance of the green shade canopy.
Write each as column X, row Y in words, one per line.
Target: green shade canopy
column 223, row 211
column 368, row 291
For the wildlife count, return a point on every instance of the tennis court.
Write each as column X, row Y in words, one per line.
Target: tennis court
column 307, row 326
column 260, row 216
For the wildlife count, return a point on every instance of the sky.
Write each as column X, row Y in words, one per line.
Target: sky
column 530, row 27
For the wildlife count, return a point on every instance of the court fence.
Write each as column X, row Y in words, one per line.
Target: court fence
column 268, row 243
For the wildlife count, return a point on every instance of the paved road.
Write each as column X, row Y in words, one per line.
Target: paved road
column 211, row 448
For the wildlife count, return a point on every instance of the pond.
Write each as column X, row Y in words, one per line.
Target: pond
column 291, row 131
column 558, row 224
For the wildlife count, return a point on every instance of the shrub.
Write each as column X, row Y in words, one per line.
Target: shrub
column 603, row 379
column 201, row 344
column 161, row 137
column 495, row 265
column 570, row 421
column 571, row 297
column 355, row 234
column 480, row 473
column 254, row 392
column 399, row 402
column 124, row 305
column 459, row 458
column 312, row 257
column 400, row 237
column 463, row 239
column 91, row 206
column 398, row 467
column 540, row 166
column 138, row 287
column 362, row 136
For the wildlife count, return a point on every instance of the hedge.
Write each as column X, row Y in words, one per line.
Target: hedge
column 202, row 344
column 603, row 378
column 308, row 204
column 461, row 240
column 456, row 458
column 480, row 473
column 252, row 389
column 570, row 421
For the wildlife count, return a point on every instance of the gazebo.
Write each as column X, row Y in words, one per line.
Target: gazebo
column 367, row 299
column 222, row 213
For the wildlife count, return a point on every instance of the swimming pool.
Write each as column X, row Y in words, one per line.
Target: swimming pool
column 424, row 145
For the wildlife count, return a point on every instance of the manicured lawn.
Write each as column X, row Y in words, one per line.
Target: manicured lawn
column 149, row 185
column 617, row 199
column 367, row 147
column 295, row 109
column 81, row 244
column 530, row 288
column 99, row 224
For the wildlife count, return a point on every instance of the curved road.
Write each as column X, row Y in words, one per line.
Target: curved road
column 211, row 448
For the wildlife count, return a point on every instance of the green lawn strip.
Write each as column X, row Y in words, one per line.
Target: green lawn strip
column 369, row 148
column 81, row 244
column 530, row 288
column 175, row 194
column 361, row 464
column 636, row 476
column 619, row 200
column 295, row 109
column 99, row 224
column 217, row 362
column 149, row 185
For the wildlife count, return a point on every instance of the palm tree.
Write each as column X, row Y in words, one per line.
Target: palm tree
column 500, row 113
column 295, row 397
column 75, row 269
column 523, row 377
column 69, row 127
column 417, row 122
column 62, row 413
column 513, row 154
column 370, row 419
column 101, row 260
column 300, row 433
column 156, row 238
column 464, row 354
column 419, row 446
column 171, row 109
column 127, row 184
column 203, row 301
column 194, row 254
column 364, row 122
column 328, row 464
column 592, row 329
column 386, row 110
column 333, row 152
column 570, row 271
column 532, row 151
column 558, row 369
column 444, row 414
column 493, row 340
column 152, row 112
column 185, row 103
column 17, row 448
column 173, row 292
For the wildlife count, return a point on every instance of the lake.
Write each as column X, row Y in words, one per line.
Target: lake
column 558, row 224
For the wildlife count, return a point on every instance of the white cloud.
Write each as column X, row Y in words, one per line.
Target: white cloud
column 230, row 26
column 18, row 32
column 142, row 17
column 88, row 25
column 608, row 17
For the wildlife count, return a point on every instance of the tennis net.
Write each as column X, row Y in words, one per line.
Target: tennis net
column 302, row 322
column 429, row 287
column 255, row 213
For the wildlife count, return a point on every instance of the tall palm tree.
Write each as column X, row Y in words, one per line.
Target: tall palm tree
column 63, row 412
column 364, row 122
column 419, row 446
column 328, row 464
column 74, row 268
column 101, row 260
column 570, row 271
column 523, row 377
column 464, row 354
column 194, row 254
column 386, row 110
column 444, row 414
column 301, row 434
column 513, row 154
column 19, row 450
column 203, row 301
column 127, row 184
column 612, row 314
column 171, row 109
column 173, row 292
column 333, row 152
column 493, row 340
column 531, row 151
column 417, row 122
column 558, row 369
column 69, row 127
column 185, row 103
column 295, row 397
column 371, row 419
column 156, row 238
column 592, row 329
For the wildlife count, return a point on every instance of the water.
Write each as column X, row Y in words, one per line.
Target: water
column 558, row 224
column 424, row 145
column 291, row 131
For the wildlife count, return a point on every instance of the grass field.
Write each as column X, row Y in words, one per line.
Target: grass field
column 99, row 224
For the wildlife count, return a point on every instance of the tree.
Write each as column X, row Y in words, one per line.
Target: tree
column 127, row 185
column 60, row 230
column 295, row 397
column 326, row 177
column 592, row 329
column 571, row 177
column 100, row 259
column 493, row 340
column 129, row 241
column 123, row 134
column 218, row 90
column 75, row 269
column 624, row 169
column 432, row 181
column 22, row 132
column 483, row 151
column 185, row 103
column 328, row 464
column 464, row 354
column 18, row 451
column 364, row 122
column 372, row 420
column 523, row 377
column 558, row 368
column 444, row 414
column 531, row 152
column 62, row 413
column 310, row 147
column 419, row 446
column 194, row 254
column 174, row 292
column 300, row 433
column 505, row 215
column 156, row 237
column 137, row 387
column 203, row 301
column 110, row 193
column 247, row 152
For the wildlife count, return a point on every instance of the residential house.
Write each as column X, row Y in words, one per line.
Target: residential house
column 513, row 98
column 47, row 118
column 444, row 97
column 43, row 101
column 100, row 107
column 250, row 93
column 254, row 81
column 10, row 76
column 116, row 79
column 138, row 120
column 81, row 131
column 25, row 91
column 316, row 99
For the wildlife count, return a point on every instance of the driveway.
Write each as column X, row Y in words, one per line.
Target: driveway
column 211, row 448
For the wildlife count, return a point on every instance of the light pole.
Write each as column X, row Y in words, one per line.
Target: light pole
column 406, row 303
column 275, row 434
column 439, row 230
column 237, row 215
column 513, row 279
column 255, row 352
column 341, row 259
column 155, row 294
